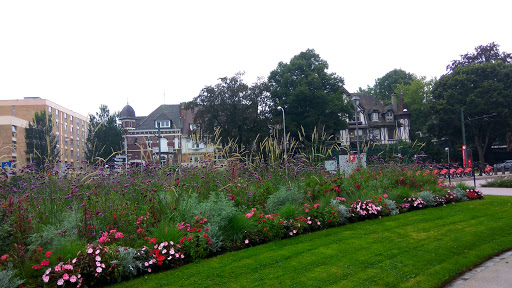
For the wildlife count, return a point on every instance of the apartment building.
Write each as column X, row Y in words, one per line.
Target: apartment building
column 70, row 128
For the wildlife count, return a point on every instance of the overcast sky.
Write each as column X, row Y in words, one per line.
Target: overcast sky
column 81, row 54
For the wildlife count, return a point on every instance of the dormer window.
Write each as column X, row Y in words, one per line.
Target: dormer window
column 375, row 116
column 389, row 116
column 163, row 123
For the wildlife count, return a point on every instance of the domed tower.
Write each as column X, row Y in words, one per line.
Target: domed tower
column 127, row 118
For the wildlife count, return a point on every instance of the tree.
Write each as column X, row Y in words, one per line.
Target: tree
column 484, row 90
column 240, row 111
column 311, row 97
column 388, row 84
column 41, row 143
column 104, row 136
column 417, row 96
column 483, row 54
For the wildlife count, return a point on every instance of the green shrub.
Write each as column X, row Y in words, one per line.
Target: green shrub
column 238, row 224
column 285, row 195
column 391, row 207
column 460, row 194
column 428, row 198
column 288, row 211
column 344, row 214
column 7, row 279
column 165, row 231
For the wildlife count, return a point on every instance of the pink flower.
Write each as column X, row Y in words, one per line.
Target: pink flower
column 65, row 276
column 316, row 206
column 89, row 251
column 385, row 195
column 4, row 257
column 46, row 278
column 72, row 279
column 119, row 235
column 246, row 241
column 98, row 269
column 249, row 215
column 98, row 258
column 60, row 282
column 307, row 210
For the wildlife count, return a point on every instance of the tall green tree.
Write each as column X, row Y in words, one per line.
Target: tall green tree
column 482, row 89
column 104, row 136
column 417, row 96
column 41, row 142
column 240, row 111
column 387, row 84
column 483, row 54
column 311, row 96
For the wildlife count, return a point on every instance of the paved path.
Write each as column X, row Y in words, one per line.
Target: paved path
column 497, row 272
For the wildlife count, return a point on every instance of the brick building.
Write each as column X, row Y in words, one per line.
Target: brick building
column 70, row 128
column 169, row 126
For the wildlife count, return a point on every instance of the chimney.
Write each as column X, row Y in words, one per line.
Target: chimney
column 393, row 102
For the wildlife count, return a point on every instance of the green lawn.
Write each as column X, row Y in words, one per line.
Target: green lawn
column 425, row 248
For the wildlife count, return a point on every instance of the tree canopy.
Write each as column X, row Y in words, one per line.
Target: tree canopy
column 387, row 84
column 483, row 54
column 311, row 97
column 41, row 142
column 240, row 111
column 104, row 136
column 484, row 90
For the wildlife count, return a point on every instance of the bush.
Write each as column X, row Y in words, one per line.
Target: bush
column 460, row 194
column 7, row 278
column 285, row 195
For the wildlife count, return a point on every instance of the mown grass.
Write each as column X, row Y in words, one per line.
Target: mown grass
column 505, row 182
column 425, row 248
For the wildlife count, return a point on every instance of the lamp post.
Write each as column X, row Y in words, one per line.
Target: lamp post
column 284, row 132
column 447, row 149
column 355, row 99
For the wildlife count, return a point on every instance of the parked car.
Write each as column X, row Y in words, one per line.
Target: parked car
column 505, row 164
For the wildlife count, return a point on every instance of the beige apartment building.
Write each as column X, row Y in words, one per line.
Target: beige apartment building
column 70, row 128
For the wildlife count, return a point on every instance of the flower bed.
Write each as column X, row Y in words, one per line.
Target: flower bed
column 93, row 227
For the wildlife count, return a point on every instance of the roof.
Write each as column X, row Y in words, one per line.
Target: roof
column 127, row 113
column 164, row 112
column 370, row 103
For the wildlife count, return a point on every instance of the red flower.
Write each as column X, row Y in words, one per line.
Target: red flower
column 48, row 254
column 45, row 263
column 358, row 186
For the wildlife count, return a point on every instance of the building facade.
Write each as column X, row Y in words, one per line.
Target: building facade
column 376, row 122
column 168, row 135
column 69, row 127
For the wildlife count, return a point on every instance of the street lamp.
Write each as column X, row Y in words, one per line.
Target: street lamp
column 356, row 99
column 447, row 149
column 284, row 132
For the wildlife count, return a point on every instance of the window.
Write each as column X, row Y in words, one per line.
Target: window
column 65, row 116
column 375, row 116
column 389, row 116
column 50, row 109
column 70, row 119
column 13, row 131
column 65, row 128
column 71, row 130
column 163, row 123
column 57, row 112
